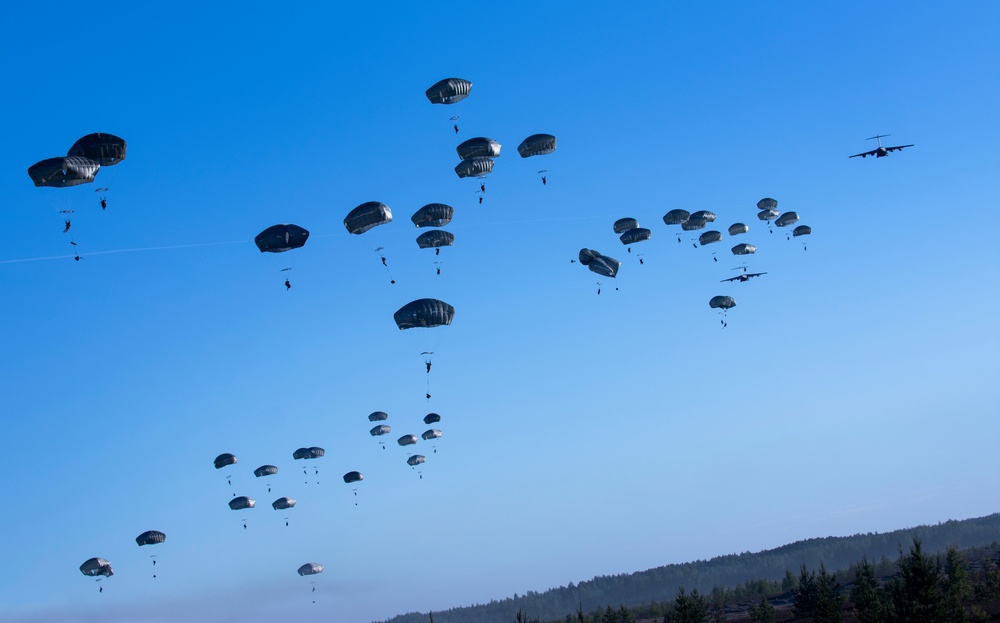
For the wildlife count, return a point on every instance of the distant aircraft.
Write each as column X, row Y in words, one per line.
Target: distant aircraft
column 880, row 151
column 743, row 276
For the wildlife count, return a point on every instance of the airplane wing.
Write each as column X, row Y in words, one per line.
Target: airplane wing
column 890, row 149
column 755, row 274
column 730, row 279
column 867, row 153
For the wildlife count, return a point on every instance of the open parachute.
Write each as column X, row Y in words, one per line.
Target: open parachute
column 424, row 313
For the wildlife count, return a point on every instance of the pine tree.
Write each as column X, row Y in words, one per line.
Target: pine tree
column 829, row 607
column 806, row 594
column 870, row 603
column 916, row 592
column 689, row 608
column 956, row 587
column 762, row 612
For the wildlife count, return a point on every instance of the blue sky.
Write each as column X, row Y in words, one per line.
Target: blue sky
column 854, row 388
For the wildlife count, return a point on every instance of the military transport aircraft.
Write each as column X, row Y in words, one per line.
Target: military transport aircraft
column 880, row 151
column 743, row 276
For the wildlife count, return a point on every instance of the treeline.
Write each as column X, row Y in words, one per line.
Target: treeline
column 771, row 570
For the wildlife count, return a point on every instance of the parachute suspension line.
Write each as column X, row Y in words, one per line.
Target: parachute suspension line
column 153, row 556
column 385, row 263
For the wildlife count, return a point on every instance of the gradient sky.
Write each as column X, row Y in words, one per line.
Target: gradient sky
column 854, row 389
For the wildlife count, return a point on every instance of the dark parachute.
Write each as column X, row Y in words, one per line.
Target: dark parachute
column 224, row 459
column 407, row 440
column 709, row 237
column 722, row 302
column 767, row 204
column 435, row 238
column 310, row 568
column 768, row 214
column 424, row 313
column 704, row 214
column 788, row 218
column 431, row 418
column 802, row 230
column 433, row 215
column 350, row 477
column 622, row 225
column 242, row 502
column 150, row 537
column 537, row 145
column 378, row 416
column 475, row 167
column 381, row 429
column 283, row 503
column 431, row 434
column 281, row 238
column 479, row 147
column 96, row 566
column 449, row 91
column 265, row 470
column 676, row 217
column 694, row 223
column 106, row 149
column 366, row 216
column 314, row 452
column 63, row 171
column 738, row 228
column 415, row 460
column 633, row 236
column 744, row 248
column 600, row 264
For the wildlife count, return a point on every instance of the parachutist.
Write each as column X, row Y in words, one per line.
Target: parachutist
column 428, row 396
column 640, row 261
column 629, row 249
column 104, row 203
column 439, row 271
column 393, row 281
column 482, row 187
column 428, row 366
column 694, row 245
column 68, row 225
column 437, row 251
column 288, row 285
column 100, row 589
column 544, row 182
column 383, row 261
column 456, row 128
column 480, row 202
column 598, row 291
column 678, row 238
column 715, row 259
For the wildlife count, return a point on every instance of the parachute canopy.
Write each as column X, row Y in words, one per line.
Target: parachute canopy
column 433, row 215
column 242, row 502
column 310, row 568
column 722, row 302
column 537, row 145
column 283, row 503
column 407, row 440
column 381, row 429
column 431, row 434
column 802, row 230
column 768, row 215
column 265, row 470
column 709, row 237
column 693, row 223
column 744, row 248
column 105, row 149
column 430, row 418
column 600, row 264
column 738, row 228
column 308, row 453
column 624, row 224
column 676, row 217
column 96, row 566
column 281, row 238
column 150, row 537
column 788, row 218
column 435, row 238
column 767, row 204
column 378, row 416
column 424, row 313
column 449, row 91
column 350, row 477
column 633, row 236
column 63, row 171
column 224, row 459
column 416, row 459
column 479, row 147
column 705, row 214
column 474, row 167
column 366, row 216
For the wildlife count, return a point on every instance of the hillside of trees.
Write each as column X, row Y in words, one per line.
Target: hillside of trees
column 751, row 573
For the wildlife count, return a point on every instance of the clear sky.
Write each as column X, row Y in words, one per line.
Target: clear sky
column 854, row 389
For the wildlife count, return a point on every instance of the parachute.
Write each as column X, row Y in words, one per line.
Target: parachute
column 350, row 477
column 600, row 264
column 704, row 214
column 415, row 460
column 449, row 91
column 537, row 145
column 224, row 459
column 283, row 503
column 97, row 566
column 788, row 218
column 435, row 238
column 433, row 215
column 242, row 502
column 479, row 147
column 281, row 238
column 378, row 416
column 366, row 216
column 694, row 223
column 474, row 167
column 265, row 470
column 744, row 248
column 622, row 225
column 431, row 418
column 633, row 236
column 381, row 429
column 308, row 453
column 105, row 149
column 424, row 313
column 768, row 215
column 676, row 217
column 407, row 440
column 64, row 171
column 150, row 537
column 722, row 302
column 738, row 228
column 431, row 434
column 709, row 237
column 767, row 204
column 802, row 230
column 310, row 568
